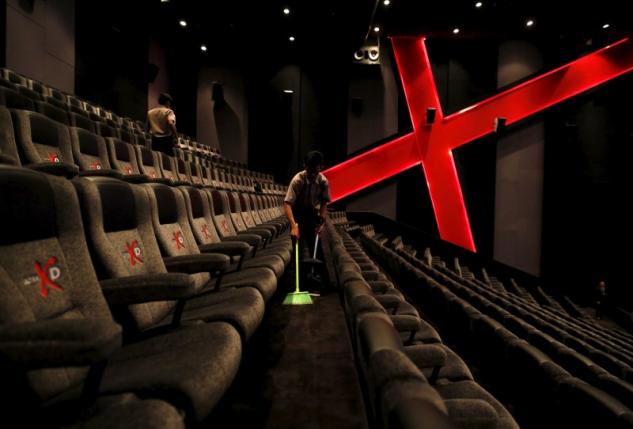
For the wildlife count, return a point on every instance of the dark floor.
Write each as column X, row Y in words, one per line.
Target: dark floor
column 297, row 371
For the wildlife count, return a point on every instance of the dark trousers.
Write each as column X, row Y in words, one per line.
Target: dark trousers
column 163, row 144
column 308, row 223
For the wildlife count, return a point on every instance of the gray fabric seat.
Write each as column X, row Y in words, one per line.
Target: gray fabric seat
column 169, row 216
column 47, row 279
column 44, row 143
column 119, row 222
column 91, row 154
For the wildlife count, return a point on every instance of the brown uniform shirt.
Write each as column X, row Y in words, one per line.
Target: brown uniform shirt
column 159, row 119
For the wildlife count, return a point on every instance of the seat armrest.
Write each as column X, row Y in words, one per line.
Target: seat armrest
column 258, row 230
column 252, row 239
column 59, row 342
column 200, row 263
column 137, row 178
column 426, row 355
column 101, row 173
column 147, row 288
column 56, row 168
column 231, row 248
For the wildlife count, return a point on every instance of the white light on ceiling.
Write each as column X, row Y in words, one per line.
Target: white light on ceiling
column 376, row 29
column 291, row 38
column 203, row 48
column 478, row 4
column 288, row 91
column 386, row 2
column 182, row 23
column 605, row 26
column 164, row 1
column 286, row 11
column 529, row 23
column 456, row 31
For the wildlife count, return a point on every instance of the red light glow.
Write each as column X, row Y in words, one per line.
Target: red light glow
column 431, row 145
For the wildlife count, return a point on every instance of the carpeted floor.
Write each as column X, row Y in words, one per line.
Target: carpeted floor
column 298, row 371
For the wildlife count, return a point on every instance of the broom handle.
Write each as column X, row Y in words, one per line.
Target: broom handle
column 297, row 265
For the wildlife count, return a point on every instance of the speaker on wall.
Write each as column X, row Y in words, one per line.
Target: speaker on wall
column 368, row 54
column 430, row 115
column 152, row 72
column 500, row 125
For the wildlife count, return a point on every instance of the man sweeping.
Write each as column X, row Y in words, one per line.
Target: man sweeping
column 306, row 203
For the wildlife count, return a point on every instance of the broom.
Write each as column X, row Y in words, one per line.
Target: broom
column 297, row 297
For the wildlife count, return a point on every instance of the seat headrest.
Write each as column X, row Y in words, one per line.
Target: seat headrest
column 27, row 206
column 118, row 205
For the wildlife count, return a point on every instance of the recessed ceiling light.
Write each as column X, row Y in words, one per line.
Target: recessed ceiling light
column 478, row 4
column 203, row 48
column 164, row 1
column 291, row 38
column 182, row 23
column 456, row 31
column 286, row 11
column 386, row 2
column 288, row 91
column 376, row 29
column 529, row 23
column 605, row 26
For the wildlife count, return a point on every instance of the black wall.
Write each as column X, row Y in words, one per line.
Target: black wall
column 3, row 32
column 112, row 45
column 284, row 128
column 587, row 211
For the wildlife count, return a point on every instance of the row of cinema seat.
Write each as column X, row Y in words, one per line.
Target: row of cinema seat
column 92, row 126
column 411, row 379
column 30, row 138
column 20, row 92
column 127, row 292
column 574, row 372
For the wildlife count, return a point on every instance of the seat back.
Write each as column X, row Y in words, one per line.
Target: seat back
column 45, row 267
column 221, row 214
column 8, row 148
column 119, row 224
column 122, row 156
column 148, row 162
column 40, row 139
column 199, row 213
column 89, row 150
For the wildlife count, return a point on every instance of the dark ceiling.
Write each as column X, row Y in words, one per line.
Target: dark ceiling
column 261, row 27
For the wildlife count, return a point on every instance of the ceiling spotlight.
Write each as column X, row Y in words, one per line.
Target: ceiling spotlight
column 286, row 11
column 203, row 48
column 605, row 26
column 529, row 23
column 456, row 31
column 291, row 38
column 376, row 29
column 478, row 4
column 386, row 2
column 288, row 91
column 182, row 23
column 164, row 1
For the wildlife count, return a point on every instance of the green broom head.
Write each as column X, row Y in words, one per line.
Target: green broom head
column 297, row 297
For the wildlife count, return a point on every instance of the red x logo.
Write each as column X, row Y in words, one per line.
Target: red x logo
column 177, row 238
column 432, row 145
column 205, row 231
column 47, row 276
column 53, row 157
column 134, row 251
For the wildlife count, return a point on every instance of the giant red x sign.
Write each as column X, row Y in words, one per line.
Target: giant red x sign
column 432, row 145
